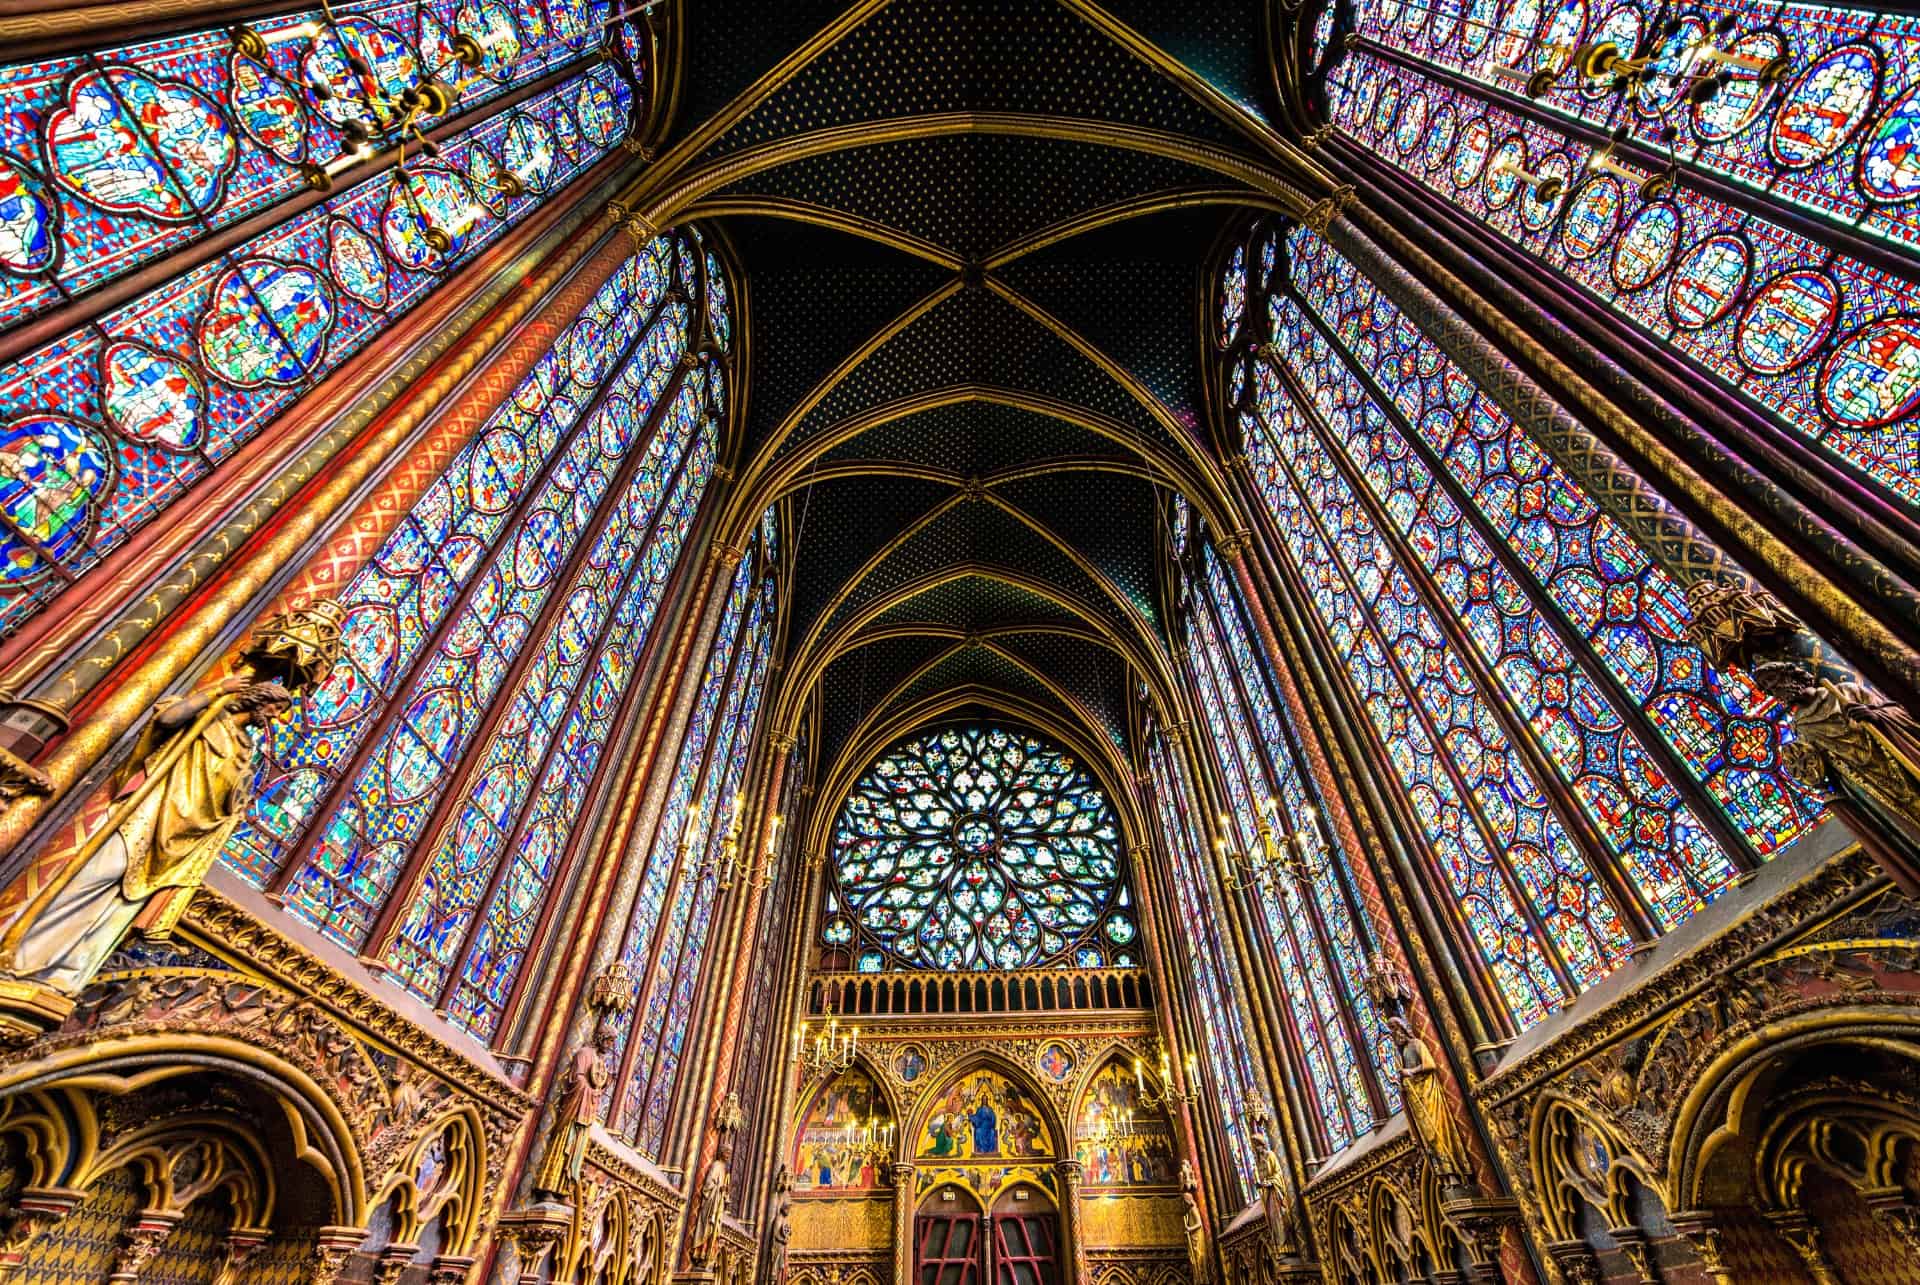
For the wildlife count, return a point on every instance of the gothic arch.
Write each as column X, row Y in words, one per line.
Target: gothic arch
column 1002, row 1065
column 322, row 1135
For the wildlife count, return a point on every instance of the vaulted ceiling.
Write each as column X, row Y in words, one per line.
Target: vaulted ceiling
column 972, row 236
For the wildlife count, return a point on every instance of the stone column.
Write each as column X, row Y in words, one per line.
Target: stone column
column 903, row 1181
column 1073, row 1256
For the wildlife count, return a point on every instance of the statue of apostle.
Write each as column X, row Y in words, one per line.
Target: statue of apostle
column 576, row 1106
column 1193, row 1225
column 1428, row 1110
column 174, row 802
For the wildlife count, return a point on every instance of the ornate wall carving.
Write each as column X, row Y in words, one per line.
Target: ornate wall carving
column 263, row 1111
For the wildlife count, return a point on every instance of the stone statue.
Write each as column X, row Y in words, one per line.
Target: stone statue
column 135, row 865
column 576, row 1108
column 711, row 1210
column 1848, row 736
column 1270, row 1178
column 782, row 1226
column 575, row 1111
column 1428, row 1111
column 1193, row 1225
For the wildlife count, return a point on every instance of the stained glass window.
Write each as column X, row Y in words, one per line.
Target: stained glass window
column 980, row 847
column 1826, row 339
column 1310, row 908
column 206, row 149
column 417, row 804
column 1430, row 533
column 1217, row 985
column 667, row 931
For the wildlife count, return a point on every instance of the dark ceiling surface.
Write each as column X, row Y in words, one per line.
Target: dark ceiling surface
column 972, row 235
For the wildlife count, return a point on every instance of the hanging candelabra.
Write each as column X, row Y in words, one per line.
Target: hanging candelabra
column 872, row 1140
column 1168, row 1094
column 825, row 1051
column 1696, row 72
column 1273, row 854
column 728, row 868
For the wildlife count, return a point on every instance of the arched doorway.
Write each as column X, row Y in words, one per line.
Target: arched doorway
column 1016, row 1242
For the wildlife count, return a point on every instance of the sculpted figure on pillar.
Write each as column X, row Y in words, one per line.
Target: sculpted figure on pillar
column 714, row 1184
column 576, row 1108
column 782, row 1226
column 1270, row 1178
column 1193, row 1225
column 1428, row 1111
column 133, row 865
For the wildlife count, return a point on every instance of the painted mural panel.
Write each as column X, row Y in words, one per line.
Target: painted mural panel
column 984, row 1116
column 837, row 1148
column 1119, row 1142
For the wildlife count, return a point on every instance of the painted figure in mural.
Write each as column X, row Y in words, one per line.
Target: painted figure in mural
column 985, row 1121
column 174, row 802
column 1428, row 1110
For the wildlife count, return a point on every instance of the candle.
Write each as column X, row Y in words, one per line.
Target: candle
column 1139, row 1079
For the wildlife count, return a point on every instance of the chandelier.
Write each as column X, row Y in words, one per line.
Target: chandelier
column 1168, row 1094
column 726, row 866
column 827, row 1051
column 1272, row 856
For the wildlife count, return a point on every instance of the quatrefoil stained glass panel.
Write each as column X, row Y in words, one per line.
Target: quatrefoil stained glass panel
column 980, row 848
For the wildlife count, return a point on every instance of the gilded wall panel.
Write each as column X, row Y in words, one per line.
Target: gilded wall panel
column 828, row 1222
column 1122, row 1222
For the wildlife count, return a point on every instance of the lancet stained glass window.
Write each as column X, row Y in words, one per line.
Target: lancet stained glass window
column 1820, row 336
column 111, row 160
column 980, row 847
column 667, row 930
column 416, row 803
column 1217, row 985
column 1308, row 904
column 1431, row 533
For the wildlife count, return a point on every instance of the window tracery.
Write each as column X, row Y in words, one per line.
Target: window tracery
column 1217, row 988
column 415, row 806
column 666, row 938
column 979, row 847
column 1312, row 915
column 220, row 155
column 1697, row 215
column 1495, row 625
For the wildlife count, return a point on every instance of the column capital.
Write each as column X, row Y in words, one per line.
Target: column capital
column 1234, row 544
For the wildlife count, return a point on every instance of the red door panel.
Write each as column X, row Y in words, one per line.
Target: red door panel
column 947, row 1249
column 1025, row 1249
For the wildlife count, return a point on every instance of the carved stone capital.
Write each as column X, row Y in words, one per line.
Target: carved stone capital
column 1576, row 1261
column 1323, row 212
column 243, row 1246
column 1635, row 1249
column 1482, row 1222
column 449, row 1269
column 332, row 1246
column 1798, row 1231
column 35, row 1210
column 1699, row 1229
column 391, row 1263
column 142, row 1240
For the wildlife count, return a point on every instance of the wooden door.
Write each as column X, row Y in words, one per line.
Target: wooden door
column 948, row 1248
column 1026, row 1246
